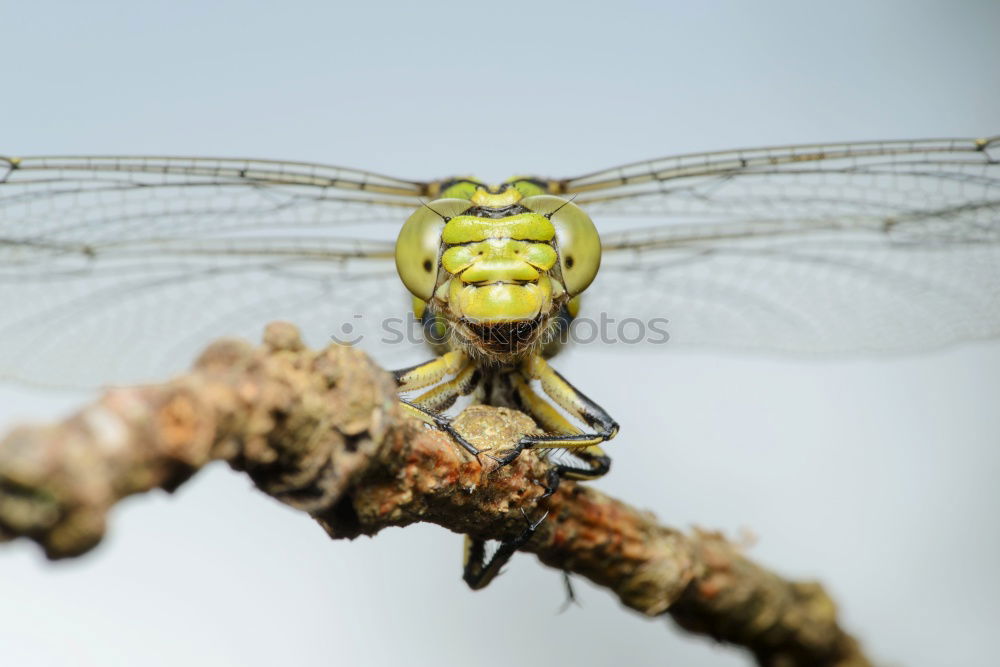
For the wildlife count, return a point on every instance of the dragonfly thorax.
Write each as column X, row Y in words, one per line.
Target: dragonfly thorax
column 494, row 271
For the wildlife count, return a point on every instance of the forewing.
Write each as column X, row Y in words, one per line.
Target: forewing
column 120, row 269
column 839, row 248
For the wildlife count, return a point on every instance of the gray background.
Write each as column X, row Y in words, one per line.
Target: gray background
column 876, row 476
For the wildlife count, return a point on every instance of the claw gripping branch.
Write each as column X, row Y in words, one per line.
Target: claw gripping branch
column 321, row 431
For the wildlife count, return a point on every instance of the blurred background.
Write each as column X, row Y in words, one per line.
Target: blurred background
column 875, row 475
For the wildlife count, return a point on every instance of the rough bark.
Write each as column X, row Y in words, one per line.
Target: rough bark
column 320, row 431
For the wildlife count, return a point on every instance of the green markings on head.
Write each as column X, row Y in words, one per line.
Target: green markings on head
column 499, row 260
column 529, row 186
column 522, row 227
column 459, row 188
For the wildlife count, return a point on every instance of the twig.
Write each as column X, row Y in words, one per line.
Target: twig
column 321, row 432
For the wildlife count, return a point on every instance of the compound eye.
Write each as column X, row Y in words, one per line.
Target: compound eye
column 418, row 246
column 577, row 237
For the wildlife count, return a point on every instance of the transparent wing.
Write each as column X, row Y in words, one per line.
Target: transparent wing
column 845, row 247
column 120, row 269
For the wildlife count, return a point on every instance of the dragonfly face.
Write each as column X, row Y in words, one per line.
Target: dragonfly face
column 496, row 270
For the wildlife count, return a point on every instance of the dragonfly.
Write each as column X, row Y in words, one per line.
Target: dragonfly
column 116, row 268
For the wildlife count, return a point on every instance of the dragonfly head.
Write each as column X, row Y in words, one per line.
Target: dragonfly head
column 496, row 265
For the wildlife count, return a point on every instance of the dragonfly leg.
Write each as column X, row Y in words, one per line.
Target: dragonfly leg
column 476, row 572
column 573, row 401
column 430, row 372
column 443, row 396
column 428, row 406
column 562, row 434
column 595, row 462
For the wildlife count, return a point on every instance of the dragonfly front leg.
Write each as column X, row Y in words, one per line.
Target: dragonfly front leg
column 428, row 406
column 562, row 434
column 595, row 462
column 430, row 372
